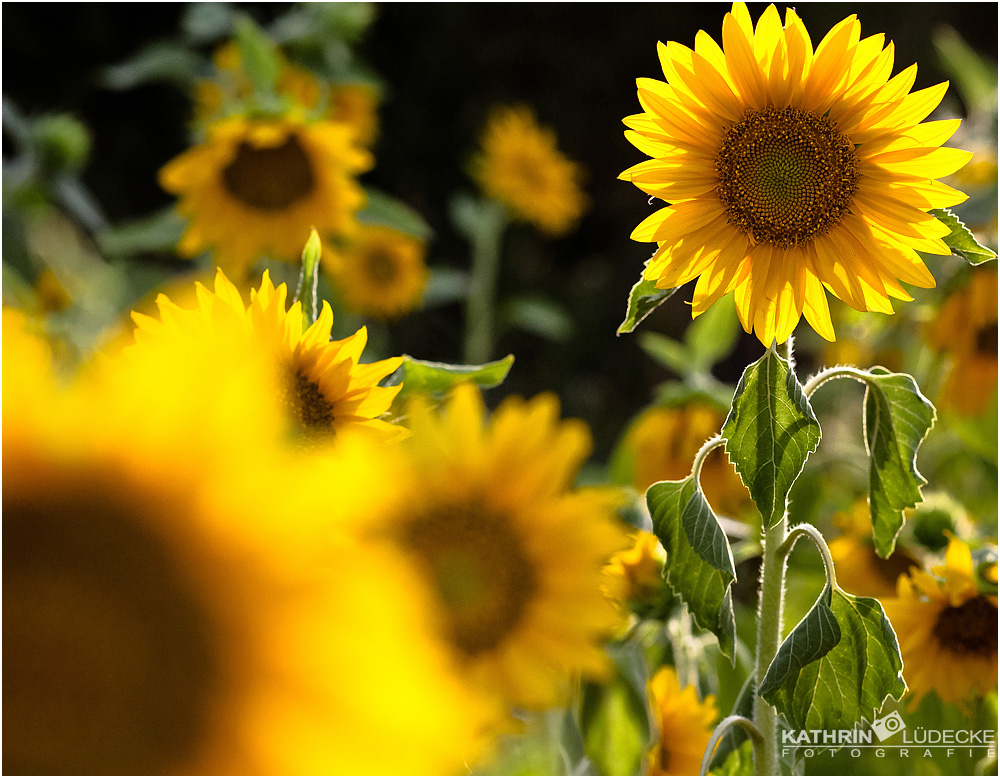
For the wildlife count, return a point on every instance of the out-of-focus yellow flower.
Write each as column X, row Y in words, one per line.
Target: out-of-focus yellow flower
column 966, row 329
column 663, row 443
column 357, row 106
column 256, row 186
column 513, row 556
column 859, row 569
column 947, row 630
column 521, row 167
column 637, row 572
column 323, row 386
column 165, row 613
column 52, row 295
column 380, row 272
column 684, row 724
column 791, row 171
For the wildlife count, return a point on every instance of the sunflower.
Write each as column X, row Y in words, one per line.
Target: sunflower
column 512, row 555
column 637, row 572
column 789, row 171
column 380, row 272
column 684, row 724
column 164, row 613
column 947, row 630
column 257, row 186
column 357, row 106
column 323, row 385
column 966, row 329
column 521, row 168
column 859, row 569
column 663, row 443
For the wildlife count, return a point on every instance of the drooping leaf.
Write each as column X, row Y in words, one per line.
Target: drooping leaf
column 614, row 716
column 838, row 665
column 961, row 241
column 700, row 564
column 642, row 301
column 387, row 211
column 897, row 417
column 770, row 432
column 435, row 379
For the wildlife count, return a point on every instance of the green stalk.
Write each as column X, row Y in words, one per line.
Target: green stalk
column 486, row 240
column 769, row 628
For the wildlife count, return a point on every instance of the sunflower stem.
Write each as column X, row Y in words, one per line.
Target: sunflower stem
column 769, row 626
column 486, row 235
column 724, row 726
column 818, row 540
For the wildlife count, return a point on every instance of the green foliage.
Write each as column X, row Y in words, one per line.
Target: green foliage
column 158, row 232
column 897, row 418
column 838, row 665
column 770, row 432
column 961, row 241
column 435, row 379
column 734, row 754
column 700, row 564
column 386, row 211
column 614, row 716
column 166, row 62
column 642, row 301
column 539, row 315
column 259, row 56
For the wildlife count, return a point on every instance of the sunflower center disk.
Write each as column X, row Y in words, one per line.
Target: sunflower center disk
column 271, row 178
column 970, row 628
column 479, row 569
column 381, row 268
column 785, row 175
column 110, row 659
column 986, row 340
column 308, row 404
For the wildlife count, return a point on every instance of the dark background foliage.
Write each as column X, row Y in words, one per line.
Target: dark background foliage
column 445, row 65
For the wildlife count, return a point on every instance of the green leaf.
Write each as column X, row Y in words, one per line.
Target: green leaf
column 961, row 241
column 537, row 314
column 897, row 418
column 770, row 432
column 838, row 665
column 668, row 352
column 207, row 22
column 167, row 62
column 259, row 55
column 700, row 564
column 734, row 741
column 385, row 210
column 435, row 379
column 642, row 301
column 445, row 285
column 614, row 716
column 155, row 233
column 712, row 335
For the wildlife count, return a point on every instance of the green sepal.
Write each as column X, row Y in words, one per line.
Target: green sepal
column 643, row 299
column 961, row 241
column 614, row 716
column 897, row 418
column 770, row 432
column 436, row 379
column 700, row 567
column 837, row 667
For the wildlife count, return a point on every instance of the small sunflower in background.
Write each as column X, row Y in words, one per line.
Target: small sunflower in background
column 860, row 570
column 324, row 387
column 380, row 272
column 684, row 724
column 521, row 167
column 663, row 442
column 947, row 630
column 256, row 186
column 637, row 572
column 357, row 106
column 966, row 330
column 164, row 612
column 512, row 555
column 790, row 171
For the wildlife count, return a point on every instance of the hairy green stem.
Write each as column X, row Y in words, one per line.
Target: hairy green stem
column 724, row 726
column 769, row 627
column 808, row 530
column 479, row 306
column 699, row 459
column 832, row 373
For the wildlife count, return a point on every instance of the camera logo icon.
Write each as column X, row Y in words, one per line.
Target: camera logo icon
column 887, row 726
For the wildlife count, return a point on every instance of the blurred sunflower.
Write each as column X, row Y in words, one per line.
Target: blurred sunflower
column 637, row 572
column 164, row 613
column 521, row 168
column 684, row 724
column 859, row 569
column 380, row 272
column 790, row 171
column 947, row 630
column 513, row 557
column 256, row 186
column 966, row 329
column 663, row 443
column 324, row 387
column 357, row 106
